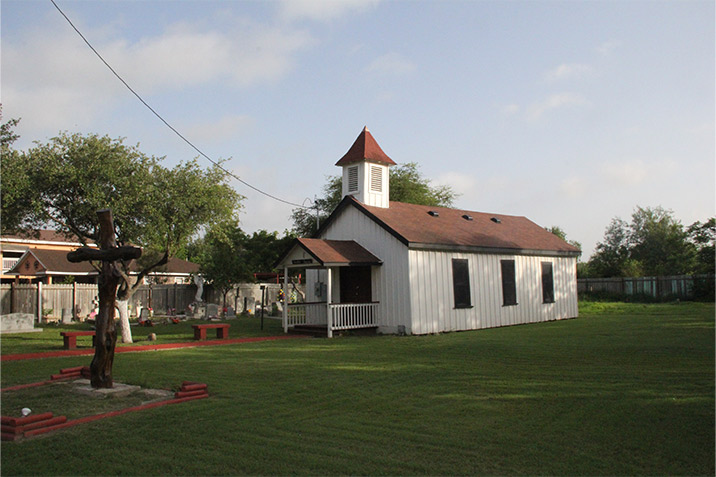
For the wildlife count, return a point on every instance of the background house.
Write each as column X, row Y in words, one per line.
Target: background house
column 405, row 268
column 43, row 258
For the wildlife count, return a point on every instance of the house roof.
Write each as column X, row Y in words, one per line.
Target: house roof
column 176, row 266
column 421, row 226
column 49, row 262
column 328, row 253
column 54, row 262
column 365, row 148
column 42, row 235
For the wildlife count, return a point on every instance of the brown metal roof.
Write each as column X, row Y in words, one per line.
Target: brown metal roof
column 42, row 235
column 338, row 252
column 50, row 262
column 55, row 262
column 416, row 226
column 365, row 147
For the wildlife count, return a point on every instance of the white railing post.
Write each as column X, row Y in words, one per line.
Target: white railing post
column 284, row 311
column 329, row 313
column 39, row 301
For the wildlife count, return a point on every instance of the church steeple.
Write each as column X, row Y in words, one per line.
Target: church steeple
column 365, row 171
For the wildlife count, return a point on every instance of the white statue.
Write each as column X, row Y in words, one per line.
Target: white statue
column 199, row 282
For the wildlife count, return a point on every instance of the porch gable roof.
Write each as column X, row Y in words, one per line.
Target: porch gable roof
column 311, row 252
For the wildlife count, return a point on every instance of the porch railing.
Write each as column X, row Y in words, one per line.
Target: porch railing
column 353, row 315
column 346, row 316
column 313, row 313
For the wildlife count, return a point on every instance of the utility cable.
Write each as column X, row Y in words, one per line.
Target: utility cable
column 217, row 164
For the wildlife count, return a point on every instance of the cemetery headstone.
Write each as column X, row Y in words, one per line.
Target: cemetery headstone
column 18, row 323
column 212, row 311
column 144, row 315
column 66, row 316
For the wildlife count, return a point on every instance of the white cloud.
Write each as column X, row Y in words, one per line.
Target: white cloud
column 245, row 54
column 606, row 48
column 556, row 101
column 573, row 187
column 628, row 173
column 567, row 71
column 225, row 128
column 390, row 64
column 633, row 172
column 322, row 10
column 53, row 81
column 459, row 182
column 510, row 109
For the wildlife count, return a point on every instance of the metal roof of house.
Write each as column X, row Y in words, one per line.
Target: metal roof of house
column 54, row 262
column 422, row 226
column 348, row 252
column 365, row 147
column 311, row 252
column 49, row 262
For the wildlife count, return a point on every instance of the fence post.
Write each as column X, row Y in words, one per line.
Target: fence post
column 74, row 302
column 12, row 297
column 39, row 302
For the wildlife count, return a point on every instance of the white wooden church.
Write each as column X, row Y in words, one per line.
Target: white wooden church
column 414, row 269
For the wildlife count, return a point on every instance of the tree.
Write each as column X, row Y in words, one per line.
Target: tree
column 7, row 135
column 15, row 184
column 612, row 257
column 654, row 243
column 406, row 185
column 221, row 255
column 556, row 230
column 228, row 256
column 703, row 237
column 659, row 242
column 73, row 176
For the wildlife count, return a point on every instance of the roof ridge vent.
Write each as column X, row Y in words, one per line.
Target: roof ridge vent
column 496, row 220
column 467, row 217
column 434, row 213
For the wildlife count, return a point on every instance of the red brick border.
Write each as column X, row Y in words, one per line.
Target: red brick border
column 155, row 347
column 14, row 428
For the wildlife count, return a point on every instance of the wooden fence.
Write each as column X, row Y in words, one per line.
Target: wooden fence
column 683, row 286
column 50, row 300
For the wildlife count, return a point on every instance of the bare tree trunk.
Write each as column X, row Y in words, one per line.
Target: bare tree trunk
column 125, row 330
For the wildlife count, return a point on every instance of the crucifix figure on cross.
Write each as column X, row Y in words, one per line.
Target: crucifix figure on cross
column 109, row 278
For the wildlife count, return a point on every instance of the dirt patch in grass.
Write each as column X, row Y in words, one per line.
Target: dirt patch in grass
column 75, row 399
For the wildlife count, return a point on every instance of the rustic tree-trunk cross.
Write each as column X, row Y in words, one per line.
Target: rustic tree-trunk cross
column 106, row 332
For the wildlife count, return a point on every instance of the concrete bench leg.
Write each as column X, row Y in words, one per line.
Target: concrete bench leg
column 222, row 333
column 199, row 334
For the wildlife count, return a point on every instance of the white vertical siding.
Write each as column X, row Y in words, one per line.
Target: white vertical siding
column 390, row 281
column 432, row 298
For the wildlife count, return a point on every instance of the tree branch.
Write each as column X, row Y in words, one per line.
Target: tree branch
column 148, row 269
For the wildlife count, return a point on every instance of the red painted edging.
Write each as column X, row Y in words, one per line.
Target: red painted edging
column 13, row 428
column 156, row 347
column 97, row 417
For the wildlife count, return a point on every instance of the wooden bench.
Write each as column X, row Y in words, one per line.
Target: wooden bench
column 70, row 338
column 222, row 331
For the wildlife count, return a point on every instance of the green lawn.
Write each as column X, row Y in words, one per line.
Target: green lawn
column 625, row 389
column 49, row 338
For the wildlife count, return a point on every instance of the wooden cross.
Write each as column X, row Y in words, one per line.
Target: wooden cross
column 109, row 278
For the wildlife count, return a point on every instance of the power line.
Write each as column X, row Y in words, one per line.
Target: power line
column 229, row 173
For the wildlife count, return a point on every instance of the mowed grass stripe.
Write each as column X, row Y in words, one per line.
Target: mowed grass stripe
column 621, row 390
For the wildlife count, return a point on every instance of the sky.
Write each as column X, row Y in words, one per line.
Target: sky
column 570, row 113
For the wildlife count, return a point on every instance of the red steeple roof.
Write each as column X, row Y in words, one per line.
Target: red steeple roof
column 365, row 148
